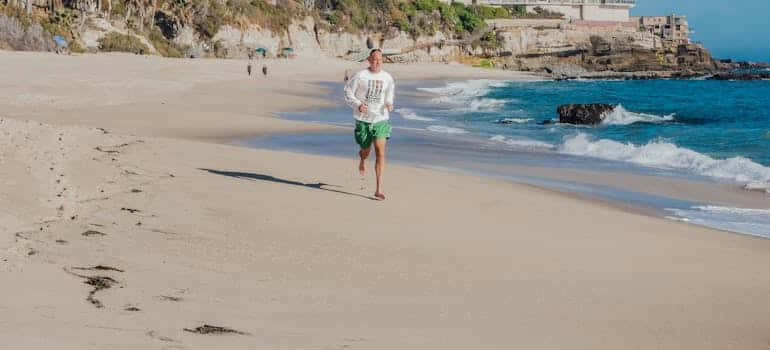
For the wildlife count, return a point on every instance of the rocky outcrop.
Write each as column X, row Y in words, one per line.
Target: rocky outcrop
column 568, row 52
column 741, row 76
column 583, row 114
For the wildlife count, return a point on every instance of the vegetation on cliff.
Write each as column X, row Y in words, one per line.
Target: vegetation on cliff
column 417, row 17
column 160, row 20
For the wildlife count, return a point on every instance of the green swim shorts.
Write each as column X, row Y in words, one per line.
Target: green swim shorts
column 365, row 132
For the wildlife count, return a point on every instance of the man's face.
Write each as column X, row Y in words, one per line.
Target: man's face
column 375, row 61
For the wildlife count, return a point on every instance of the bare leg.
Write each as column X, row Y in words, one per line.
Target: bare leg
column 379, row 166
column 363, row 154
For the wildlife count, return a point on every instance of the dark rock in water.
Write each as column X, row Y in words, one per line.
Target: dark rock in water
column 753, row 65
column 545, row 122
column 583, row 114
column 740, row 76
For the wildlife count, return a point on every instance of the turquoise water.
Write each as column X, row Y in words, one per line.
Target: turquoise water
column 721, row 119
column 697, row 130
column 719, row 129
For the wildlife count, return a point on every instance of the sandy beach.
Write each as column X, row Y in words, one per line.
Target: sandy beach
column 127, row 221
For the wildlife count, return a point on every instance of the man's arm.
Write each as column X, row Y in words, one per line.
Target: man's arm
column 350, row 93
column 390, row 92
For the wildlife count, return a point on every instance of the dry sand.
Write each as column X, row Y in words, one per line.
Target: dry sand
column 289, row 250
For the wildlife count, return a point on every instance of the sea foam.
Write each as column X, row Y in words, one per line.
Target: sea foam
column 446, row 129
column 661, row 154
column 514, row 120
column 522, row 143
column 409, row 114
column 622, row 116
column 748, row 221
column 466, row 96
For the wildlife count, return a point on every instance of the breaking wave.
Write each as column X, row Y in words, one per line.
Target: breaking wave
column 514, row 120
column 664, row 155
column 523, row 143
column 446, row 129
column 407, row 113
column 466, row 96
column 748, row 221
column 621, row 116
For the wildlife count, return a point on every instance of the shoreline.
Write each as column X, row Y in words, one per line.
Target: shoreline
column 113, row 179
column 607, row 188
column 638, row 190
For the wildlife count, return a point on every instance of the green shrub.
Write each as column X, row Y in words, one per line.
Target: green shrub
column 448, row 15
column 490, row 12
column 164, row 47
column 485, row 63
column 277, row 18
column 122, row 43
column 427, row 5
column 212, row 17
column 76, row 47
column 469, row 20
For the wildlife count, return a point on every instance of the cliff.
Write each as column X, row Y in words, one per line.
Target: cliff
column 564, row 51
column 568, row 50
column 411, row 32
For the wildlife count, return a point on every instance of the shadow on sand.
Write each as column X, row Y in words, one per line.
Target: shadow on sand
column 253, row 176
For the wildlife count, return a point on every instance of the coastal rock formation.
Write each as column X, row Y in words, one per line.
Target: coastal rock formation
column 557, row 47
column 568, row 51
column 583, row 114
column 741, row 76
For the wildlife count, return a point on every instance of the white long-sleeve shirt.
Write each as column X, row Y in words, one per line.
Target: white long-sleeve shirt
column 372, row 89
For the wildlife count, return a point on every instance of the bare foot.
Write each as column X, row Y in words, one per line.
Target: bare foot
column 379, row 196
column 362, row 167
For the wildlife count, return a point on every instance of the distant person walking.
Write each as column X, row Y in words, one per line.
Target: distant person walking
column 347, row 75
column 264, row 70
column 370, row 94
column 248, row 67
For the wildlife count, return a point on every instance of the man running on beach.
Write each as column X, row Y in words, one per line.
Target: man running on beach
column 370, row 94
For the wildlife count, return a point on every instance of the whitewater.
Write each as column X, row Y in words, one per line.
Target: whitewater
column 697, row 128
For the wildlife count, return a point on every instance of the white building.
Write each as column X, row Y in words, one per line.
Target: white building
column 575, row 10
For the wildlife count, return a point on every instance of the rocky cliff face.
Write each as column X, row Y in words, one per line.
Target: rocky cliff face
column 570, row 52
column 560, row 49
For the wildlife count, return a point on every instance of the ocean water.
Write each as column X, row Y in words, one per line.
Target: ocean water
column 718, row 129
column 696, row 130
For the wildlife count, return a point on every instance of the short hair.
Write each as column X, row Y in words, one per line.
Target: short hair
column 373, row 51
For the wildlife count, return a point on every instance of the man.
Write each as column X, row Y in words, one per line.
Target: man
column 370, row 94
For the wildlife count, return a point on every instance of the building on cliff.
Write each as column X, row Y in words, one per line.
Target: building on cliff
column 597, row 11
column 673, row 29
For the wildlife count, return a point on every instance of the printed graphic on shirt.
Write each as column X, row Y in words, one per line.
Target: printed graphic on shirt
column 374, row 93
